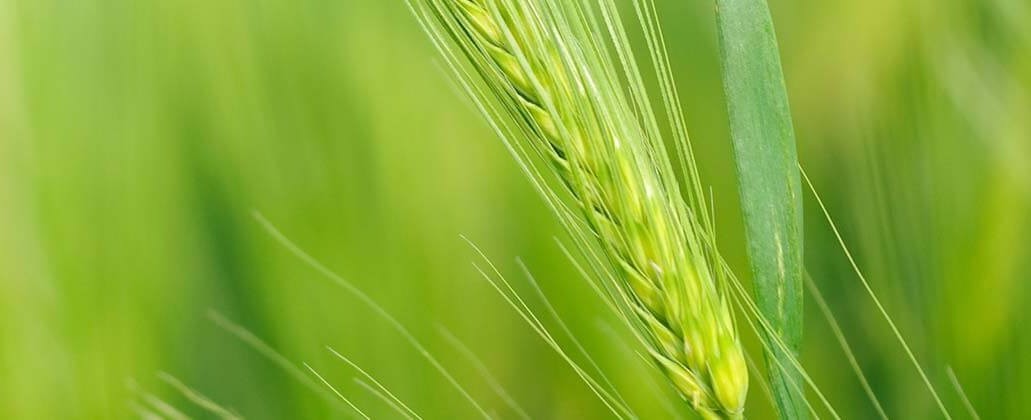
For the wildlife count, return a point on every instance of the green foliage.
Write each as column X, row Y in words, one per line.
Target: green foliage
column 769, row 183
column 136, row 138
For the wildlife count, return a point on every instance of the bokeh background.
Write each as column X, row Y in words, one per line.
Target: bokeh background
column 138, row 137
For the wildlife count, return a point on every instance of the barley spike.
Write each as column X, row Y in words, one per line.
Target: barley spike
column 558, row 92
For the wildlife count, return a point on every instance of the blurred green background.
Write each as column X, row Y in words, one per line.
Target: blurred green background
column 137, row 138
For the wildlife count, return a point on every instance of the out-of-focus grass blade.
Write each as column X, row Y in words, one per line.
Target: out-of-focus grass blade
column 770, row 188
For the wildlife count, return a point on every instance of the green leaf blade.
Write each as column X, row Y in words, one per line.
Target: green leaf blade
column 769, row 184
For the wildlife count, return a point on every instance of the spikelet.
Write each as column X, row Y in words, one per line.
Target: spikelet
column 540, row 70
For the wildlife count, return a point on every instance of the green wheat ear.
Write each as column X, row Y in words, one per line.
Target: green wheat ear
column 542, row 74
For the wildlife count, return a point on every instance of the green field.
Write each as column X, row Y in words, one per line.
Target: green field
column 138, row 139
